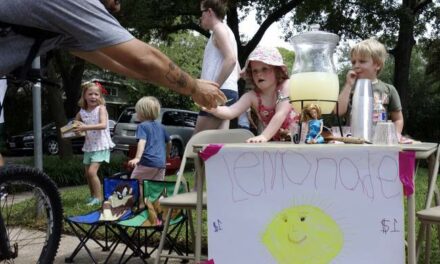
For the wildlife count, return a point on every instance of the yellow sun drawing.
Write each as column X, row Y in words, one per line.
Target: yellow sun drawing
column 303, row 235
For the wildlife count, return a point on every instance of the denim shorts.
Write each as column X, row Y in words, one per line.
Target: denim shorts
column 231, row 98
column 96, row 156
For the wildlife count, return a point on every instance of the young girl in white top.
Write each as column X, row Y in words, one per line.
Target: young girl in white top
column 93, row 119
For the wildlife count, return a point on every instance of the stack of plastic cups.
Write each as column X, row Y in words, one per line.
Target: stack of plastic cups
column 362, row 110
column 385, row 133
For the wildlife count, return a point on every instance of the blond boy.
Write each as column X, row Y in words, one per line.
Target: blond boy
column 367, row 59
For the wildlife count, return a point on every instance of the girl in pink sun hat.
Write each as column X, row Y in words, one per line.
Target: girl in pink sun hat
column 269, row 98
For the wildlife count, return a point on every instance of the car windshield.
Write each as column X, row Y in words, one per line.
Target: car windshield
column 50, row 125
column 168, row 117
column 128, row 116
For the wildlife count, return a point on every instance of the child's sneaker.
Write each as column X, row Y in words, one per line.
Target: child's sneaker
column 94, row 201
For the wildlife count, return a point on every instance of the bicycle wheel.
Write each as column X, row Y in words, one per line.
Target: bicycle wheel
column 30, row 207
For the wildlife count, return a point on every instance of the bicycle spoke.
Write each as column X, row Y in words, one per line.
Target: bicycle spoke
column 32, row 223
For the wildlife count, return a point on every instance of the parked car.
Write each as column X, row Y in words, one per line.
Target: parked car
column 111, row 126
column 178, row 123
column 25, row 142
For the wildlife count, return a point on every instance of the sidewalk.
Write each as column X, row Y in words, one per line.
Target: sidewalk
column 68, row 243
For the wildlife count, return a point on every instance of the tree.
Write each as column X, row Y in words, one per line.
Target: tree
column 394, row 23
column 172, row 16
column 186, row 50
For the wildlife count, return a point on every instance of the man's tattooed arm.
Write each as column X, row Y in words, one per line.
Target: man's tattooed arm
column 180, row 79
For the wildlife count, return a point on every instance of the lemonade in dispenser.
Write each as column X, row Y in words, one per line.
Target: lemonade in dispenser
column 314, row 78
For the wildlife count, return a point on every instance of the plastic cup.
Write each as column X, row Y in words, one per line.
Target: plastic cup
column 385, row 134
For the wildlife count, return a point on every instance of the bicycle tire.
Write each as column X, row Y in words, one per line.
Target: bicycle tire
column 4, row 245
column 45, row 197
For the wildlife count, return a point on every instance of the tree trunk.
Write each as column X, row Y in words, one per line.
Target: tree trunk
column 71, row 70
column 402, row 54
column 72, row 87
column 56, row 108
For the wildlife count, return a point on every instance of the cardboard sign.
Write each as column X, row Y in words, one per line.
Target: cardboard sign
column 273, row 203
column 67, row 131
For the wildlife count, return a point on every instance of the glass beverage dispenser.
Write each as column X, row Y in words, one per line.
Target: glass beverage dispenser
column 314, row 75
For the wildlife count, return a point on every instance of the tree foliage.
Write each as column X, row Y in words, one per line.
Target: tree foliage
column 168, row 17
column 186, row 50
column 396, row 23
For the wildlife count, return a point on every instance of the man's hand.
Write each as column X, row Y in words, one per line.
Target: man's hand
column 207, row 94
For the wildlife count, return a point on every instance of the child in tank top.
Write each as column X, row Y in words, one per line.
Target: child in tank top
column 269, row 98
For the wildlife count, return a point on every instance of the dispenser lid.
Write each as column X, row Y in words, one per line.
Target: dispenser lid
column 315, row 36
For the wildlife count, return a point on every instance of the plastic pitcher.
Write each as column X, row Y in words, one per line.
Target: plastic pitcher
column 314, row 75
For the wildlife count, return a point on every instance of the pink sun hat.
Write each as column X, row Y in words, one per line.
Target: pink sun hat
column 268, row 55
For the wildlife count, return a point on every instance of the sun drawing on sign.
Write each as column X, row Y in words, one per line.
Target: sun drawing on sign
column 303, row 234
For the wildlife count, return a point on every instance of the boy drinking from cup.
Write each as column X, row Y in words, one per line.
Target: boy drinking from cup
column 367, row 59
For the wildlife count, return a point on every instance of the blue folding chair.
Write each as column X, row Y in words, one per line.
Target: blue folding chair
column 120, row 197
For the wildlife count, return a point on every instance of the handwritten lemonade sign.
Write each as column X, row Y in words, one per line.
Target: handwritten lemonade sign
column 276, row 203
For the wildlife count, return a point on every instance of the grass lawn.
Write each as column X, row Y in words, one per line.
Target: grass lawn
column 74, row 204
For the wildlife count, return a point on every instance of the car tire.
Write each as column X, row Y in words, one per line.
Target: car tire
column 176, row 149
column 51, row 146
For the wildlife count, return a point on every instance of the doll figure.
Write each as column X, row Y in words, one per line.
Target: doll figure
column 310, row 114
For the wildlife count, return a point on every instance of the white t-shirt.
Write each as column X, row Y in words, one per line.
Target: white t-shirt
column 213, row 61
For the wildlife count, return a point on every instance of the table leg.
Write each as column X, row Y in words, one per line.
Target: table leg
column 199, row 178
column 411, row 229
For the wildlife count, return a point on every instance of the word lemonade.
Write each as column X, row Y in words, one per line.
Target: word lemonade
column 314, row 76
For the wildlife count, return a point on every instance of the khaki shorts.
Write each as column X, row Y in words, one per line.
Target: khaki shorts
column 148, row 173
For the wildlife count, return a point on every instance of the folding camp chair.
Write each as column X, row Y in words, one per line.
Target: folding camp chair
column 120, row 197
column 150, row 221
column 189, row 200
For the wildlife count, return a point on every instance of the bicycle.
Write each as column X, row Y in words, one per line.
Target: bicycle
column 30, row 214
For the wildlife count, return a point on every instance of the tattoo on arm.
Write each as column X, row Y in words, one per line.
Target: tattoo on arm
column 176, row 76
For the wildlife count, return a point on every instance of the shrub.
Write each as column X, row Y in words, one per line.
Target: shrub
column 71, row 172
